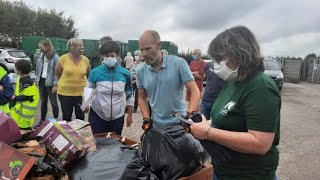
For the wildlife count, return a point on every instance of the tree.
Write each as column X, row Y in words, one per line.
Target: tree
column 17, row 20
column 305, row 66
column 311, row 56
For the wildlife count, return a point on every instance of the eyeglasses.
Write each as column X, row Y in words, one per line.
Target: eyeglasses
column 218, row 58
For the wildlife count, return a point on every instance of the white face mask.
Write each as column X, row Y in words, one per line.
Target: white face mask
column 109, row 61
column 136, row 58
column 224, row 72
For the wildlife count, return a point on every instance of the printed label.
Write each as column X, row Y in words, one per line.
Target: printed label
column 60, row 142
column 45, row 130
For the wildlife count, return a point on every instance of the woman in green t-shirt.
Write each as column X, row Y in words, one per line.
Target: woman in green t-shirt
column 244, row 134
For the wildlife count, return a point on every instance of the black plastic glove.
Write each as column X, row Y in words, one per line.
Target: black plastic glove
column 31, row 98
column 147, row 124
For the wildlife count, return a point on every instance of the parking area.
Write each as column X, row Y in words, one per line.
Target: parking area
column 300, row 131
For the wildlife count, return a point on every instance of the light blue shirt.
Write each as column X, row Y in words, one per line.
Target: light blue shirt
column 165, row 88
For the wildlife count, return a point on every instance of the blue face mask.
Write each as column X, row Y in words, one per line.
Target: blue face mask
column 109, row 61
column 194, row 57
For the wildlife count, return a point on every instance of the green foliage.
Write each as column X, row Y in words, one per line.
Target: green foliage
column 188, row 56
column 311, row 56
column 17, row 20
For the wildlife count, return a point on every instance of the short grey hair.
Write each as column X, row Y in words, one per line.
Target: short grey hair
column 197, row 51
column 155, row 35
column 241, row 46
column 73, row 42
column 137, row 53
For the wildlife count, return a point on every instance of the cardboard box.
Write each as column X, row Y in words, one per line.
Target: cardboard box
column 61, row 139
column 204, row 174
column 13, row 164
column 122, row 139
column 84, row 130
column 76, row 136
column 9, row 130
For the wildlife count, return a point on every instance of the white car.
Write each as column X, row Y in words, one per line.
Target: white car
column 13, row 76
column 8, row 56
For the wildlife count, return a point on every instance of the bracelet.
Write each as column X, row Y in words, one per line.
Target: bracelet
column 206, row 137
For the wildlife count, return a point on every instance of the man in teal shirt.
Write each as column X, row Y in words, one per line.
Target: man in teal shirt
column 162, row 79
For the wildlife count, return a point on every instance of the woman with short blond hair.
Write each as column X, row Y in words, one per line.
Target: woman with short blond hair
column 72, row 71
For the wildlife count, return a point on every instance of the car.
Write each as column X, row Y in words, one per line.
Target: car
column 9, row 56
column 14, row 76
column 274, row 71
column 205, row 79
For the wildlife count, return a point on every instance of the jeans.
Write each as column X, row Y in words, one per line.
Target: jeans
column 67, row 105
column 205, row 108
column 46, row 92
column 99, row 125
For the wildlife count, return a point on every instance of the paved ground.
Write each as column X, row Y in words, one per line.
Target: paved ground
column 300, row 132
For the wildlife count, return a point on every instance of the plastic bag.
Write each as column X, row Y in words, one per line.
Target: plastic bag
column 108, row 161
column 172, row 152
column 139, row 169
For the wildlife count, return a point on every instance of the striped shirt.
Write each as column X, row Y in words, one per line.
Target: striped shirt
column 25, row 82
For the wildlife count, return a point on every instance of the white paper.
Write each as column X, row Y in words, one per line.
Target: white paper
column 87, row 94
column 60, row 142
column 45, row 129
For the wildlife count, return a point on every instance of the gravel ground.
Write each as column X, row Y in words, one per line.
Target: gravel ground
column 300, row 131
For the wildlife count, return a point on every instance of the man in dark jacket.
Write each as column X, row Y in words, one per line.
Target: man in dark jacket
column 212, row 90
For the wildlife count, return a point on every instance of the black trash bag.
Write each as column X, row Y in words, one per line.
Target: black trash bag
column 172, row 152
column 108, row 161
column 139, row 169
column 47, row 165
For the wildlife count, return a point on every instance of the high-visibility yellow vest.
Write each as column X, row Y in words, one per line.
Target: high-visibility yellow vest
column 4, row 108
column 23, row 112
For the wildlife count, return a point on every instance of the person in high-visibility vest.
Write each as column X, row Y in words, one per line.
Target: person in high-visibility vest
column 6, row 90
column 26, row 96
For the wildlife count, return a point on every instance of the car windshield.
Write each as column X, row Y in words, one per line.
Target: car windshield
column 271, row 65
column 17, row 54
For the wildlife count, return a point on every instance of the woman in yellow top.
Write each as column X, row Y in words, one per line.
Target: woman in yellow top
column 72, row 71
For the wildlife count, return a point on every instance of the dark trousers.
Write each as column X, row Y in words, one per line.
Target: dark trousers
column 136, row 97
column 67, row 105
column 45, row 92
column 99, row 125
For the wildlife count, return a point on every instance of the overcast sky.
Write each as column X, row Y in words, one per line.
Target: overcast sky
column 283, row 27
